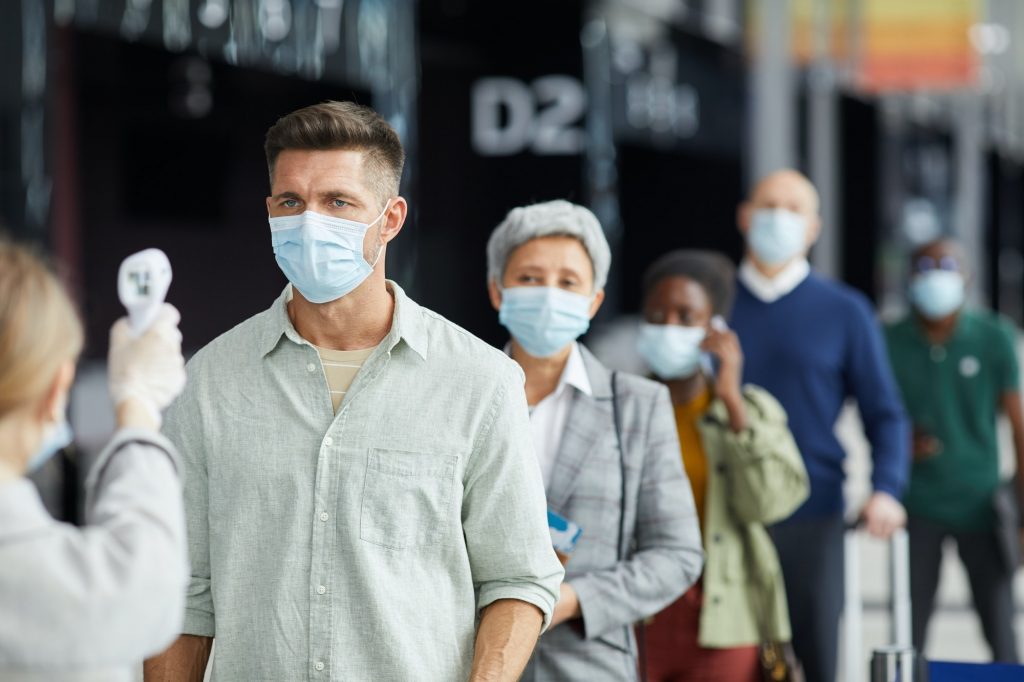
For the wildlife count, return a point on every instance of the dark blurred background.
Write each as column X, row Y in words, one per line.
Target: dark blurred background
column 133, row 123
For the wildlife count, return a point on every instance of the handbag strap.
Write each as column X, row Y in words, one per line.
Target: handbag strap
column 620, row 551
column 641, row 634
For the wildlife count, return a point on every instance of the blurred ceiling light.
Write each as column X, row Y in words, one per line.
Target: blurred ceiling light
column 191, row 95
column 593, row 33
column 989, row 38
column 275, row 19
column 721, row 28
column 177, row 25
column 330, row 24
column 628, row 57
column 626, row 24
column 213, row 13
column 136, row 18
column 920, row 221
column 63, row 11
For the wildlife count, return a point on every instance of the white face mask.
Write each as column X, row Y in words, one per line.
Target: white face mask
column 58, row 436
column 322, row 256
column 777, row 235
column 937, row 293
column 670, row 350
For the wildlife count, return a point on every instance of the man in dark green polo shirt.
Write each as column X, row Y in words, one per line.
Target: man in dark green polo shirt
column 957, row 368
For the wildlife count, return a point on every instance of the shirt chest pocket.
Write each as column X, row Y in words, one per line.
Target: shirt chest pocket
column 407, row 499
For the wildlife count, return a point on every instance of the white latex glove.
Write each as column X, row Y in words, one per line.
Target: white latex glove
column 148, row 369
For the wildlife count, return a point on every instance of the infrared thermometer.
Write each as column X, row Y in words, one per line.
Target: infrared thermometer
column 142, row 284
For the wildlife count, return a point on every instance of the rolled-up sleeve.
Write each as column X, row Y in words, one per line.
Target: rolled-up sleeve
column 504, row 511
column 183, row 427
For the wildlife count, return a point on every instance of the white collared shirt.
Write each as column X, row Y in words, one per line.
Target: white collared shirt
column 547, row 418
column 771, row 289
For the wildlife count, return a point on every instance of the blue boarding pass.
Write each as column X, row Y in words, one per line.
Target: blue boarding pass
column 564, row 533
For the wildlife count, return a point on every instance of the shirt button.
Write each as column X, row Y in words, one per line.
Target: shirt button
column 311, row 367
column 321, row 590
column 324, row 516
column 328, row 441
column 319, row 665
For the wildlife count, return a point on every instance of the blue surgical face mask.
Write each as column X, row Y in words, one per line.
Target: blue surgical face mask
column 937, row 293
column 544, row 320
column 670, row 350
column 58, row 438
column 321, row 256
column 777, row 235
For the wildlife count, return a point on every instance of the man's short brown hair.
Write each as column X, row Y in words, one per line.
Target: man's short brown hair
column 342, row 125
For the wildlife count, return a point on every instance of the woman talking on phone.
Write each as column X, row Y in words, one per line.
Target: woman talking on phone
column 85, row 603
column 745, row 470
column 606, row 444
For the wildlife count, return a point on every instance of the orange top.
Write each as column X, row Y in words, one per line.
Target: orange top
column 695, row 460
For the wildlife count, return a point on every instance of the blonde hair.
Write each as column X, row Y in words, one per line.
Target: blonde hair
column 39, row 327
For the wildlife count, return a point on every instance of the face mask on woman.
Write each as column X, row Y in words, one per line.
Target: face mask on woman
column 58, row 437
column 671, row 350
column 544, row 320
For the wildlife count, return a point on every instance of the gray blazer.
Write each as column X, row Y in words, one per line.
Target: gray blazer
column 661, row 539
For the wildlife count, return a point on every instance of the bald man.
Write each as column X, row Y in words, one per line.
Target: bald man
column 813, row 343
column 957, row 369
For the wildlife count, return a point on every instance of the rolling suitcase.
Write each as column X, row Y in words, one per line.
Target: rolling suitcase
column 894, row 663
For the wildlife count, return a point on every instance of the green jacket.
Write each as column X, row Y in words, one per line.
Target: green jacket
column 754, row 477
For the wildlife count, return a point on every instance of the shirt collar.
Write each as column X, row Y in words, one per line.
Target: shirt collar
column 407, row 323
column 771, row 289
column 574, row 374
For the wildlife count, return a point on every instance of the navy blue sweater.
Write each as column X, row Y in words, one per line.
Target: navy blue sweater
column 812, row 349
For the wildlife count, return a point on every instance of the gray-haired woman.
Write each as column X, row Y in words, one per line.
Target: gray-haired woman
column 606, row 444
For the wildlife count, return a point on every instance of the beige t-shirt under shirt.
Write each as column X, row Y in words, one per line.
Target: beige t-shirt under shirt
column 341, row 367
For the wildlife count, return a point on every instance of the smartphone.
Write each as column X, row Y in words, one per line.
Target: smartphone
column 564, row 535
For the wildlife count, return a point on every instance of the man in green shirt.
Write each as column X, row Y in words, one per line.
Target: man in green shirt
column 957, row 368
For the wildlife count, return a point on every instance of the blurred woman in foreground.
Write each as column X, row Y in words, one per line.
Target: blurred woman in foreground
column 88, row 603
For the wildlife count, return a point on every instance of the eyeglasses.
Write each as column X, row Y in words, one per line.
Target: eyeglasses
column 927, row 263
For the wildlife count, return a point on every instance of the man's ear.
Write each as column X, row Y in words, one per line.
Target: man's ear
column 394, row 219
column 494, row 293
column 743, row 214
column 813, row 231
column 595, row 305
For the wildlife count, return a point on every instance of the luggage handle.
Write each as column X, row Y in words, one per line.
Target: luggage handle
column 899, row 577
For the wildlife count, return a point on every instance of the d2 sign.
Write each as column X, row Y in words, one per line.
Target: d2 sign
column 510, row 116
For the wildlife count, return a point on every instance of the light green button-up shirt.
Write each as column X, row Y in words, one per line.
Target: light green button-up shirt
column 362, row 545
